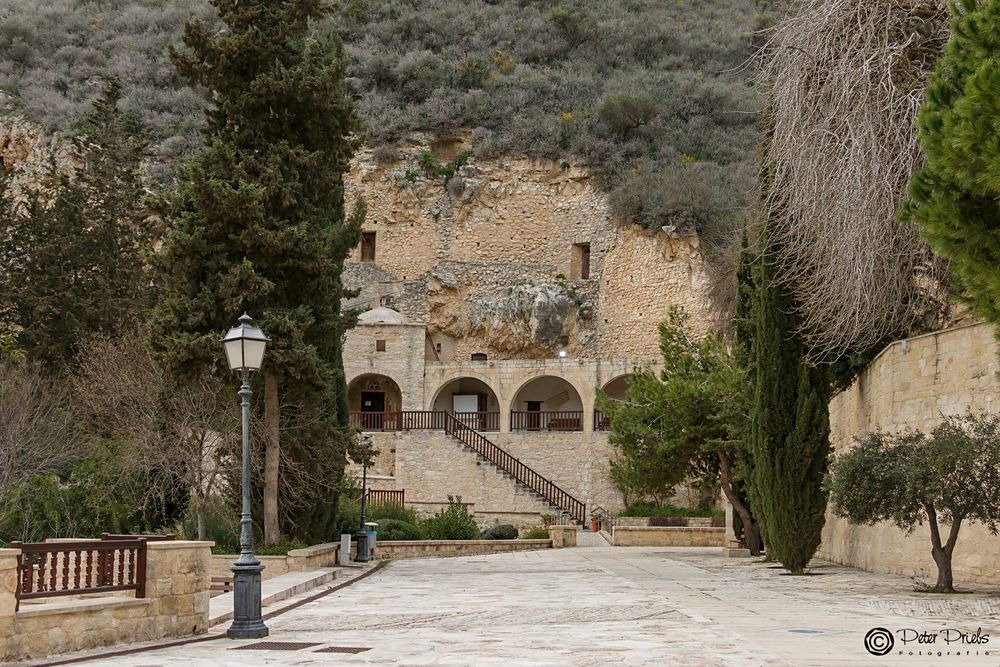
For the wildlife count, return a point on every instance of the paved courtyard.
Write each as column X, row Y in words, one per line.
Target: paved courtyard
column 599, row 606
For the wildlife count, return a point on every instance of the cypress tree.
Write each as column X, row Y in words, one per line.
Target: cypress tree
column 790, row 425
column 72, row 252
column 955, row 198
column 258, row 224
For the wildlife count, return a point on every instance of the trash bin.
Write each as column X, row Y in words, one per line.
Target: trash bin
column 372, row 528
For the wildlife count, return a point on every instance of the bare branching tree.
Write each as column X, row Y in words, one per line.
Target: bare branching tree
column 37, row 434
column 845, row 81
column 184, row 434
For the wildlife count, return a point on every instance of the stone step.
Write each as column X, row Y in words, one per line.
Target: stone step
column 275, row 589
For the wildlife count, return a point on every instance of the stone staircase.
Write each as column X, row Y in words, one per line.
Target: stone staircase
column 563, row 505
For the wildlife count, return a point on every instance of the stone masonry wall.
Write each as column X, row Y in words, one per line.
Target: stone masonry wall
column 910, row 385
column 489, row 263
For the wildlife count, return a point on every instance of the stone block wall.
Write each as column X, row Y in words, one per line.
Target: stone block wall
column 430, row 466
column 668, row 536
column 397, row 550
column 176, row 605
column 911, row 384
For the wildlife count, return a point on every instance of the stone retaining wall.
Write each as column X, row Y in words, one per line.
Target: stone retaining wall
column 666, row 536
column 426, row 548
column 297, row 560
column 176, row 605
column 911, row 384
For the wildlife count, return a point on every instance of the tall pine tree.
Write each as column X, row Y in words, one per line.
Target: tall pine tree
column 955, row 198
column 72, row 251
column 259, row 225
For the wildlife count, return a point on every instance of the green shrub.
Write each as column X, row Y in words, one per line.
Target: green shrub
column 535, row 533
column 395, row 529
column 451, row 523
column 384, row 512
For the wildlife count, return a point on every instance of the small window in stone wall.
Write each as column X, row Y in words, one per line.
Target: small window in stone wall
column 368, row 246
column 479, row 356
column 579, row 265
column 380, row 345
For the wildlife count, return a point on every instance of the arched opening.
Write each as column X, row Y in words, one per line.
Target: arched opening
column 547, row 403
column 472, row 401
column 616, row 390
column 376, row 402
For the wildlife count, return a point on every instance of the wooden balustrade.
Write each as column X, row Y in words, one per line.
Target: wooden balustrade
column 547, row 420
column 602, row 422
column 387, row 497
column 48, row 569
column 480, row 421
column 406, row 420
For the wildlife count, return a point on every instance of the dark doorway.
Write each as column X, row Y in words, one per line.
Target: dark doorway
column 534, row 419
column 372, row 402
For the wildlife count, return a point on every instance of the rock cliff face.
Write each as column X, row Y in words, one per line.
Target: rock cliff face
column 26, row 150
column 514, row 257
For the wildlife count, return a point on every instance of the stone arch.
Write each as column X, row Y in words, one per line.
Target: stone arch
column 483, row 411
column 614, row 389
column 547, row 402
column 371, row 397
column 617, row 386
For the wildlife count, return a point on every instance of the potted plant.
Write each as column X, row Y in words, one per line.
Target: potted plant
column 595, row 523
column 547, row 519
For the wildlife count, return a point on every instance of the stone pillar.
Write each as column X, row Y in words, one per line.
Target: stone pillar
column 177, row 583
column 8, row 597
column 562, row 536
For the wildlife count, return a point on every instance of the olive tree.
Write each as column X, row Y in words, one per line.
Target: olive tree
column 946, row 477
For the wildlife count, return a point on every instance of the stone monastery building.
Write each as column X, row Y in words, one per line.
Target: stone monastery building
column 497, row 306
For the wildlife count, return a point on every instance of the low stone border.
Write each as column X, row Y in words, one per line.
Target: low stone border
column 667, row 536
column 647, row 521
column 297, row 560
column 397, row 550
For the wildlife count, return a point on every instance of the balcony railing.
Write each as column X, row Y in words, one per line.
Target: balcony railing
column 561, row 420
column 408, row 420
column 602, row 422
column 480, row 421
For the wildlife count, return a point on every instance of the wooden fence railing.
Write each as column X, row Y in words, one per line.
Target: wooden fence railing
column 408, row 420
column 387, row 497
column 559, row 420
column 602, row 422
column 480, row 421
column 515, row 468
column 47, row 569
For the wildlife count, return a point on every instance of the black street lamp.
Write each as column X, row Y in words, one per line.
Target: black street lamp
column 245, row 352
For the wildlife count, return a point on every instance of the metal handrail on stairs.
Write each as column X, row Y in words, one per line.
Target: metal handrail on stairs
column 514, row 467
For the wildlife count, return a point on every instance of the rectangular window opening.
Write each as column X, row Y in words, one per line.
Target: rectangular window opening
column 367, row 246
column 580, row 262
column 380, row 345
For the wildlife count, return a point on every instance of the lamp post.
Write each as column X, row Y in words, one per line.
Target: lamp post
column 244, row 347
column 362, row 536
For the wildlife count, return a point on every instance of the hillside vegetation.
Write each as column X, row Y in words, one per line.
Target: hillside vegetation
column 649, row 93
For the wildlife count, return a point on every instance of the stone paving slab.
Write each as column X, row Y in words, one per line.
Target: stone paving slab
column 603, row 605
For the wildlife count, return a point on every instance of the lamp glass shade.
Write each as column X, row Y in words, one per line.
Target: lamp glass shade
column 245, row 345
